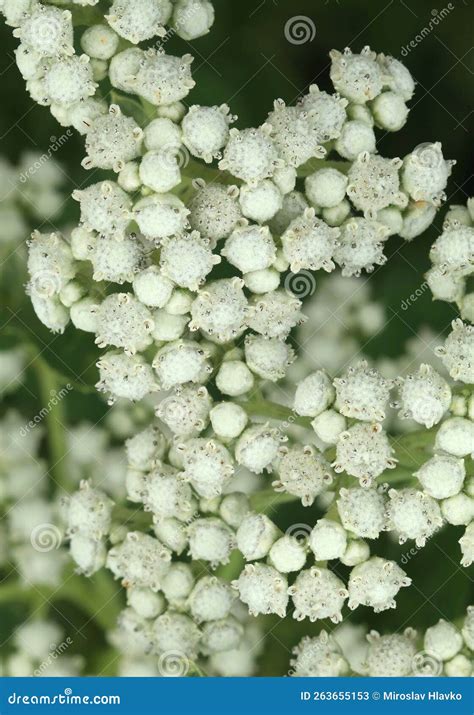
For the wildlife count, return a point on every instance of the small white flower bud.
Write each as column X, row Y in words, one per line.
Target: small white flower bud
column 206, row 130
column 177, row 584
column 263, row 589
column 176, row 633
column 228, row 420
column 250, row 154
column 208, row 465
column 328, row 425
column 145, row 602
column 356, row 137
column 140, row 560
column 318, row 593
column 318, row 657
column 210, row 540
column 250, row 248
column 364, row 452
column 357, row 552
column 255, row 536
column 466, row 543
column 326, row 188
column 100, row 42
column 389, row 111
column 375, row 583
column 234, row 378
column 257, row 447
column 328, row 540
column 88, row 553
column 443, row 641
column 414, row 515
column 456, row 436
column 269, row 358
column 458, row 510
column 442, row 476
column 303, row 472
column 362, row 393
column 425, row 396
column 181, row 361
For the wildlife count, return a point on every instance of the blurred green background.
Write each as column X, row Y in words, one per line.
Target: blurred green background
column 247, row 62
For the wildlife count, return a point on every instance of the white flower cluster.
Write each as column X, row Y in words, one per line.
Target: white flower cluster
column 30, row 529
column 452, row 256
column 443, row 649
column 40, row 650
column 187, row 285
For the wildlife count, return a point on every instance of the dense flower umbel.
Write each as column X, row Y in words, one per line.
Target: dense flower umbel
column 203, row 323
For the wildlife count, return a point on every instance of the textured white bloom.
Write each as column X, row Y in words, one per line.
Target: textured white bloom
column 100, row 42
column 186, row 410
column 375, row 583
column 314, row 394
column 152, row 288
column 112, row 140
column 328, row 425
column 304, row 472
column 145, row 448
column 458, row 352
column 362, row 511
column 255, row 536
column 140, row 560
column 89, row 512
column 68, row 80
column 210, row 540
column 124, row 322
column 458, row 510
column 357, row 552
column 456, row 436
column 453, row 250
column 293, row 134
column 326, row 113
column 127, row 376
column 138, row 20
column 124, row 67
column 357, row 77
column 257, row 447
column 326, row 187
column 360, row 246
column 192, row 18
column 116, row 259
column 260, row 202
column 187, row 259
column 228, row 420
column 50, row 264
column 250, row 248
column 211, row 599
column 328, row 540
column 269, row 358
column 425, row 173
column 250, row 154
column 362, row 393
column 178, row 584
column 468, row 628
column 214, row 210
column 364, row 452
column 208, row 465
column 104, row 208
column 318, row 593
column 145, row 602
column 309, row 242
column 425, row 396
column 274, row 314
column 413, row 514
column 389, row 111
column 356, row 137
column 87, row 553
column 176, row 633
column 263, row 589
column 374, row 184
column 233, row 507
column 206, row 130
column 181, row 361
column 221, row 635
column 287, row 554
column 160, row 215
column 392, row 655
column 162, row 133
column 172, row 533
column 442, row 476
column 319, row 657
column 234, row 378
column 443, row 641
column 397, row 76
column 220, row 310
column 466, row 543
column 47, row 31
column 166, row 493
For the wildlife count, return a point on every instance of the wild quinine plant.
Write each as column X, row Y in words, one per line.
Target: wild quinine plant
column 184, row 266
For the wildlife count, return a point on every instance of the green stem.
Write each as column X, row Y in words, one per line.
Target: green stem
column 264, row 408
column 52, row 393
